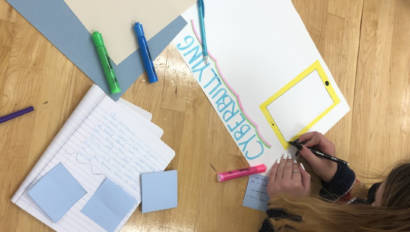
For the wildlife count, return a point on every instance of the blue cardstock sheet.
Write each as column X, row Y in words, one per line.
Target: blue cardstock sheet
column 159, row 191
column 55, row 20
column 256, row 196
column 109, row 205
column 56, row 192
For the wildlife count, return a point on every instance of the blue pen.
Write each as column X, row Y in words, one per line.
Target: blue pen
column 145, row 54
column 201, row 13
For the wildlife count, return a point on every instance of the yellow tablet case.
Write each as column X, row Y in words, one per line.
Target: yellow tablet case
column 316, row 66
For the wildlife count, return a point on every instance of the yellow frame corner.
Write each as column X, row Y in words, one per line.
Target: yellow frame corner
column 264, row 106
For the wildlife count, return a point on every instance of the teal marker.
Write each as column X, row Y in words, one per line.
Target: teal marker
column 201, row 14
column 106, row 63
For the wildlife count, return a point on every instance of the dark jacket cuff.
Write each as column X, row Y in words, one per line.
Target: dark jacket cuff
column 277, row 214
column 266, row 226
column 340, row 184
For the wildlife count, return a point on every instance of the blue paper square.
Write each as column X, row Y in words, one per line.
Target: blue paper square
column 56, row 192
column 256, row 196
column 109, row 205
column 159, row 191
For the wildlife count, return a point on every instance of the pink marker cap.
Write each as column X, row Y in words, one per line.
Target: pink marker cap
column 260, row 168
column 224, row 176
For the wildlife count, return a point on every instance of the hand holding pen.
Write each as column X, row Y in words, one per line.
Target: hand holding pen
column 323, row 167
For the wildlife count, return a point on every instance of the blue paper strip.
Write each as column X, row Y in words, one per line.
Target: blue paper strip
column 256, row 196
column 55, row 20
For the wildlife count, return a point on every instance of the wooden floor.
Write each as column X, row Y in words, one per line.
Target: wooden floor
column 366, row 44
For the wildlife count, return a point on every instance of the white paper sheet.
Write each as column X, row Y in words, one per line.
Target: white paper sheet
column 256, row 48
column 114, row 19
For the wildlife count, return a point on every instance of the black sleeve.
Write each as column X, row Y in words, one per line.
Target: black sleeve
column 340, row 184
column 277, row 214
column 266, row 226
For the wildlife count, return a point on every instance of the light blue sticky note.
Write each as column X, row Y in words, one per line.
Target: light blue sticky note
column 109, row 205
column 159, row 190
column 56, row 192
column 256, row 196
column 55, row 20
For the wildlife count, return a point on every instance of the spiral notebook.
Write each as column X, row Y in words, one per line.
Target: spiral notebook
column 101, row 140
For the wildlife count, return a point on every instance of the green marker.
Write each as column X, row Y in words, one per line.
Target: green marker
column 106, row 63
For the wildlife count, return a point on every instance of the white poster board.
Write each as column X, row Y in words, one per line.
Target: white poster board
column 257, row 48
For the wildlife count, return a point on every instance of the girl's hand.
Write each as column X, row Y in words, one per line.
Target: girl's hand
column 324, row 168
column 289, row 178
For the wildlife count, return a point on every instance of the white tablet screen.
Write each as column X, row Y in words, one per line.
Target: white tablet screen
column 300, row 105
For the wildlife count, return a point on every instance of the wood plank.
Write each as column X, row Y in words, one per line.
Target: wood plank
column 336, row 33
column 381, row 131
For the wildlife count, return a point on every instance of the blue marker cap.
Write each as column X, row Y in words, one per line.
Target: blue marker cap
column 145, row 54
column 139, row 30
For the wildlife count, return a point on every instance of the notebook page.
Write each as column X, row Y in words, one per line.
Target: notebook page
column 87, row 104
column 111, row 142
column 92, row 98
column 137, row 109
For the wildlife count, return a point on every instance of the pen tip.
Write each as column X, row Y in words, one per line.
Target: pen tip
column 296, row 144
column 206, row 59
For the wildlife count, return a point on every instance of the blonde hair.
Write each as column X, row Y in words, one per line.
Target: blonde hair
column 321, row 216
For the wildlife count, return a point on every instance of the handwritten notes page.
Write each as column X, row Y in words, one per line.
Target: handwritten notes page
column 256, row 196
column 255, row 50
column 112, row 141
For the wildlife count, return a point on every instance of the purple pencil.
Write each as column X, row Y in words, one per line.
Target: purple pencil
column 16, row 114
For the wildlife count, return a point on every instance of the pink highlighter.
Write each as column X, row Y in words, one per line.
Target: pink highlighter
column 224, row 176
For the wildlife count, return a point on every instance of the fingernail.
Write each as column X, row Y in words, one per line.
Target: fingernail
column 295, row 162
column 302, row 166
